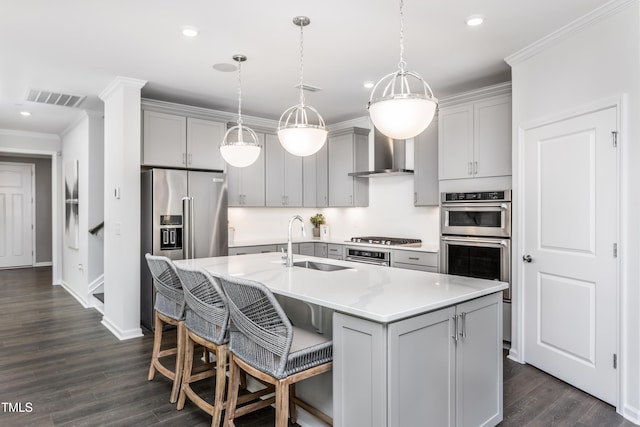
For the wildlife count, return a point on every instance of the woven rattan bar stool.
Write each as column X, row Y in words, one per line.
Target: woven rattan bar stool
column 264, row 344
column 206, row 324
column 168, row 310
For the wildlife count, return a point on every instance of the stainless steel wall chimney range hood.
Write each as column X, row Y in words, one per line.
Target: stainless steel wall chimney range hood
column 389, row 157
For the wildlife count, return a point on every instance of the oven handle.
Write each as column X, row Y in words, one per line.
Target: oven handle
column 495, row 242
column 360, row 260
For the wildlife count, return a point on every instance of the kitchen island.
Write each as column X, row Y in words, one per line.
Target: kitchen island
column 410, row 347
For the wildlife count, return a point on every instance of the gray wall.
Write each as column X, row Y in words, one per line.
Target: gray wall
column 42, row 205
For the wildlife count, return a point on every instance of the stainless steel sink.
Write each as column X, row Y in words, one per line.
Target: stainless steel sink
column 319, row 266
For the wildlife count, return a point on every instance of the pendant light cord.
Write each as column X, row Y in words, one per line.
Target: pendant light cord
column 239, row 93
column 402, row 65
column 301, row 63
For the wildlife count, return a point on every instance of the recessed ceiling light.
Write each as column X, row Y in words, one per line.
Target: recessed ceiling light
column 474, row 21
column 25, row 113
column 190, row 32
column 368, row 85
column 224, row 67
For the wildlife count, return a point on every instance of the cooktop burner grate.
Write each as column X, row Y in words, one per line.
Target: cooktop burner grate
column 389, row 241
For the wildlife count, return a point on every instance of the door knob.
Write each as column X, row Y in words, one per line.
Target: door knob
column 527, row 258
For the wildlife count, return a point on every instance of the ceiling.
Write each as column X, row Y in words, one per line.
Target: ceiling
column 79, row 47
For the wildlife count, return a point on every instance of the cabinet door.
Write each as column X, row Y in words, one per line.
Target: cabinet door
column 309, row 181
column 274, row 171
column 322, row 177
column 307, row 249
column 320, row 250
column 203, row 144
column 292, row 179
column 479, row 362
column 455, row 142
column 164, row 140
column 492, row 137
column 283, row 175
column 253, row 189
column 425, row 177
column 422, row 363
column 246, row 185
column 340, row 164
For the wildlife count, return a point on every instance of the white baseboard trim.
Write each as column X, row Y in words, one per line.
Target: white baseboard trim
column 74, row 294
column 98, row 281
column 120, row 334
column 97, row 304
column 631, row 413
column 43, row 264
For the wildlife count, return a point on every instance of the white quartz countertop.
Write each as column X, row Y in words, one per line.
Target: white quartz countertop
column 380, row 294
column 425, row 247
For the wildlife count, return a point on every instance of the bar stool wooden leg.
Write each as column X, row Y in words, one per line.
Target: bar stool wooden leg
column 179, row 363
column 221, row 382
column 282, row 403
column 188, row 366
column 157, row 340
column 293, row 415
column 232, row 397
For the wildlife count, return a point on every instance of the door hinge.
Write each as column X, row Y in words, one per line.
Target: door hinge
column 615, row 250
column 614, row 134
column 615, row 361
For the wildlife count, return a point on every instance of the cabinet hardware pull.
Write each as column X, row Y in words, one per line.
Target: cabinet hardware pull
column 455, row 327
column 475, row 168
column 414, row 258
column 463, row 332
column 190, row 158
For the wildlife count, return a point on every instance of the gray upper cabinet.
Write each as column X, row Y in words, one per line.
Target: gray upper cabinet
column 246, row 186
column 425, row 178
column 348, row 152
column 164, row 140
column 283, row 175
column 177, row 141
column 203, row 144
column 475, row 139
column 315, row 179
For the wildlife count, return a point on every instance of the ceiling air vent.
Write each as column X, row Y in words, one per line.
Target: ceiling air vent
column 308, row 88
column 54, row 98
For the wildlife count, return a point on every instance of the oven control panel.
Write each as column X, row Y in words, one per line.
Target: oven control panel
column 481, row 196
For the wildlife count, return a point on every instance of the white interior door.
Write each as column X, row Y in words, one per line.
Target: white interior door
column 570, row 232
column 16, row 218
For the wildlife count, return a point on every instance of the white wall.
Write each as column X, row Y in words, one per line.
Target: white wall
column 84, row 142
column 596, row 62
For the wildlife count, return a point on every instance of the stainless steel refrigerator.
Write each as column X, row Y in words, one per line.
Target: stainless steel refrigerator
column 165, row 228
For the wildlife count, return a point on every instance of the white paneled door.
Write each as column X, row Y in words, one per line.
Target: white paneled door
column 570, row 267
column 16, row 218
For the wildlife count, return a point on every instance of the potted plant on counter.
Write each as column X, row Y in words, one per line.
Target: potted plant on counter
column 317, row 220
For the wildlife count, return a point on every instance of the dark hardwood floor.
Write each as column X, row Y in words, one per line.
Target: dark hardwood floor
column 60, row 367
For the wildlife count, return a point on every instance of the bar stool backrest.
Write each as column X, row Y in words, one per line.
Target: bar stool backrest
column 169, row 293
column 260, row 333
column 207, row 312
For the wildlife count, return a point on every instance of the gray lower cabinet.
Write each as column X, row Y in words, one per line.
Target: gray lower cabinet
column 414, row 260
column 335, row 251
column 283, row 175
column 259, row 249
column 321, row 250
column 246, row 185
column 307, row 248
column 442, row 368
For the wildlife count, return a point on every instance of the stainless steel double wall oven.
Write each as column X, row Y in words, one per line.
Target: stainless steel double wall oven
column 475, row 236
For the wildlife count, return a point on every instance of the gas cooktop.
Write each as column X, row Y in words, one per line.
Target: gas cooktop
column 388, row 241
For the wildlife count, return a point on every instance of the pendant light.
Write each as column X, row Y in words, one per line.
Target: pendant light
column 297, row 134
column 398, row 112
column 240, row 146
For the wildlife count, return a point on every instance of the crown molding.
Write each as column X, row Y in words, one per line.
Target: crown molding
column 205, row 113
column 477, row 94
column 597, row 15
column 120, row 82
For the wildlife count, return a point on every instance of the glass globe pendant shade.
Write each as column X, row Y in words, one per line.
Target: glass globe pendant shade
column 404, row 114
column 236, row 150
column 297, row 135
